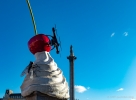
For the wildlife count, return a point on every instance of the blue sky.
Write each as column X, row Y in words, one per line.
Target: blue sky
column 103, row 35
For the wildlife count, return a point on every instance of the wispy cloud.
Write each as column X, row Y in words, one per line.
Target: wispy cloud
column 132, row 99
column 125, row 33
column 80, row 88
column 88, row 88
column 120, row 89
column 112, row 34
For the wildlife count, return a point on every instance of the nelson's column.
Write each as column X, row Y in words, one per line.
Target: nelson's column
column 71, row 58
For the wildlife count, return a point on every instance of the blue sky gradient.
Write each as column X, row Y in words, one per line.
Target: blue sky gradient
column 103, row 35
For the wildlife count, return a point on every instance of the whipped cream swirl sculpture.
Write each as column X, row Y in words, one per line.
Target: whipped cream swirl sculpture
column 43, row 75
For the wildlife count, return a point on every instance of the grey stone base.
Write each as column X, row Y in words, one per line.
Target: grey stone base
column 40, row 96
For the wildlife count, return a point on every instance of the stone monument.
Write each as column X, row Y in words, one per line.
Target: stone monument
column 71, row 59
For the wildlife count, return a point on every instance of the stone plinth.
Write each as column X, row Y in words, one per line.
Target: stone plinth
column 41, row 96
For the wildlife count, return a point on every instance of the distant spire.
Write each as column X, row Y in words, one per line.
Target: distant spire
column 71, row 59
column 71, row 51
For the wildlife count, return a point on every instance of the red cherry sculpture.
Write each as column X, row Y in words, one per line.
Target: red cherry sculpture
column 39, row 43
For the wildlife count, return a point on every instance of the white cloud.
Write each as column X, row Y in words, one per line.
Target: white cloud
column 120, row 89
column 125, row 33
column 132, row 99
column 80, row 88
column 112, row 34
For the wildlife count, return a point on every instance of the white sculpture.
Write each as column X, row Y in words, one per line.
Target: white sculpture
column 44, row 76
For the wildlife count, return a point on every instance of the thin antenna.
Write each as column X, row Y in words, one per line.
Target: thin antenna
column 32, row 16
column 56, row 30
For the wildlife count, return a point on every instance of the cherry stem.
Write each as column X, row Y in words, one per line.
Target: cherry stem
column 32, row 16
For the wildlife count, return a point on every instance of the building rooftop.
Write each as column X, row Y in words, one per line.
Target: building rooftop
column 16, row 96
column 12, row 96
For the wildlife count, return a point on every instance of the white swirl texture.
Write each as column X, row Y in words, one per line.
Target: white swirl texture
column 47, row 78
